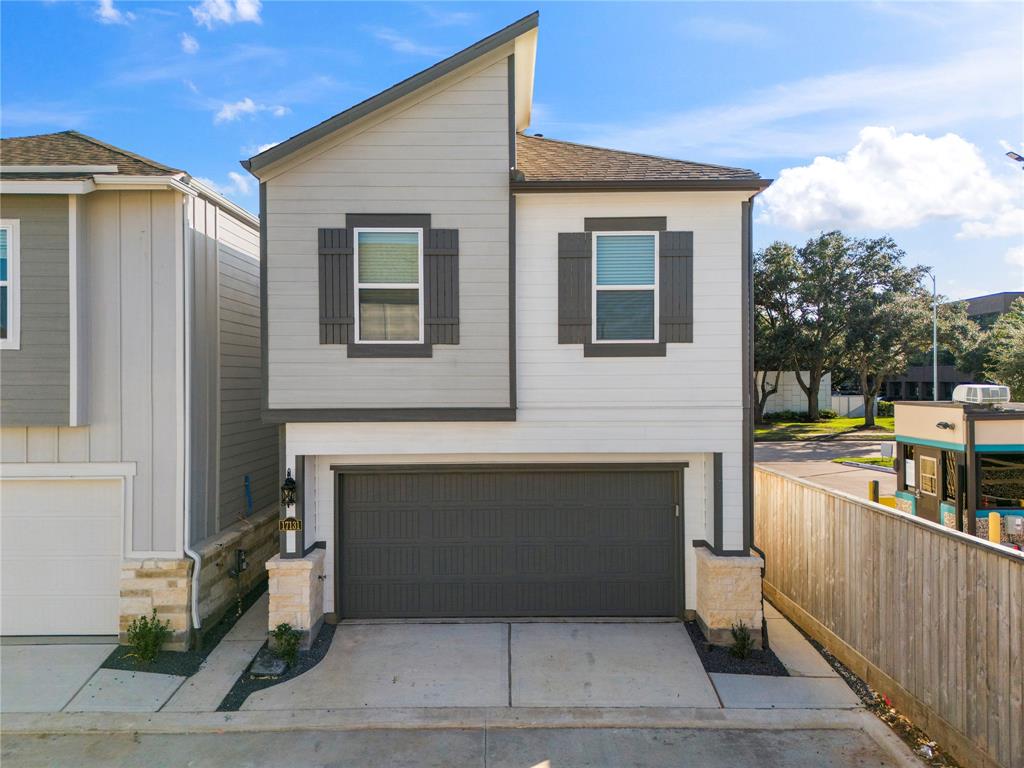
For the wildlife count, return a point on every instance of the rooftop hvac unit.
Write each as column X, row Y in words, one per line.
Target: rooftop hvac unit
column 981, row 394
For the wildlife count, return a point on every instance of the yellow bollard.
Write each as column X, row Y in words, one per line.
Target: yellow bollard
column 873, row 490
column 993, row 528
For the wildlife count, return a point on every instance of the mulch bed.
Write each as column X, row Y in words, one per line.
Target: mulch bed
column 185, row 663
column 718, row 659
column 247, row 684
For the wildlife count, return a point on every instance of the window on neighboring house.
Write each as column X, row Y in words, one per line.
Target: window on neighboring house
column 625, row 294
column 10, row 284
column 389, row 285
column 1001, row 480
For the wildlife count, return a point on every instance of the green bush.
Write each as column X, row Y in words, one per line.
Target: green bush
column 286, row 643
column 885, row 409
column 146, row 636
column 827, row 413
column 742, row 642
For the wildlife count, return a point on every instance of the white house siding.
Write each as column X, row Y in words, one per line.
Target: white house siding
column 682, row 407
column 442, row 151
column 791, row 397
column 35, row 378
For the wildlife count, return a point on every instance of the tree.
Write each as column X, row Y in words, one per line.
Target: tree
column 1005, row 359
column 774, row 329
column 840, row 278
column 961, row 338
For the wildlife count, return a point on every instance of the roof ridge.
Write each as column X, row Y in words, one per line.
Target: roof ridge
column 112, row 148
column 641, row 154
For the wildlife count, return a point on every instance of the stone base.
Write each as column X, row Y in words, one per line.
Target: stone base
column 164, row 585
column 296, row 587
column 728, row 594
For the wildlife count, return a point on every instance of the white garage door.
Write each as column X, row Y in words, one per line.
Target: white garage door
column 60, row 557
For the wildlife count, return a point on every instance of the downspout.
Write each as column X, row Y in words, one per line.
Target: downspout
column 186, row 297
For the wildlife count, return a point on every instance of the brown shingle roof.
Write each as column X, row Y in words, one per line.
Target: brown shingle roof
column 74, row 148
column 550, row 161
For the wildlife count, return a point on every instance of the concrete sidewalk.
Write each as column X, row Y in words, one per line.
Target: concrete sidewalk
column 812, row 460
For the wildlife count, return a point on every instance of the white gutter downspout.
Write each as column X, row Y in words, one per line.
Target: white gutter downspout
column 186, row 297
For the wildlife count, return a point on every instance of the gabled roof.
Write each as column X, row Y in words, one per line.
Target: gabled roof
column 72, row 148
column 543, row 163
column 392, row 94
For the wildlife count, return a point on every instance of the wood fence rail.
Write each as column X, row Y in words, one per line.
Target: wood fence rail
column 932, row 618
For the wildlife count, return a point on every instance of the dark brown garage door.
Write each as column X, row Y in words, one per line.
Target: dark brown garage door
column 509, row 543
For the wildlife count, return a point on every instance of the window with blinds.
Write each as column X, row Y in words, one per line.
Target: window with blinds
column 389, row 285
column 10, row 310
column 625, row 291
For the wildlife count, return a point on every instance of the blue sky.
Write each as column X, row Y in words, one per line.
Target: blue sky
column 874, row 117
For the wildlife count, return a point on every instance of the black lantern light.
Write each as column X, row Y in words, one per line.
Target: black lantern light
column 288, row 491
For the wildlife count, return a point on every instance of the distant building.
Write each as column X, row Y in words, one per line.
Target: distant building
column 916, row 383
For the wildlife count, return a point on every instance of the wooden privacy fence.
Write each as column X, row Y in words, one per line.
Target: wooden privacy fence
column 932, row 618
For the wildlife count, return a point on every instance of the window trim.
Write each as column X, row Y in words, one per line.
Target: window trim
column 358, row 285
column 13, row 282
column 655, row 287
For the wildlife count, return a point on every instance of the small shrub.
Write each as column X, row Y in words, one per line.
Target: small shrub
column 827, row 413
column 286, row 643
column 885, row 409
column 146, row 636
column 742, row 642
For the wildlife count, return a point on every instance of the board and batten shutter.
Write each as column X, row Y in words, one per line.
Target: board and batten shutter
column 337, row 302
column 574, row 287
column 675, row 286
column 441, row 286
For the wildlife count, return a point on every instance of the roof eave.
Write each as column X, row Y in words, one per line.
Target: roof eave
column 654, row 185
column 389, row 96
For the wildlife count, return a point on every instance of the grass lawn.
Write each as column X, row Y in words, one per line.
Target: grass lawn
column 804, row 430
column 878, row 461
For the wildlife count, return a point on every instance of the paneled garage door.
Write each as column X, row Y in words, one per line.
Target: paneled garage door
column 60, row 557
column 524, row 542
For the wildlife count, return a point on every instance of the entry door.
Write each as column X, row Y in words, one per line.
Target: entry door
column 928, row 464
column 518, row 542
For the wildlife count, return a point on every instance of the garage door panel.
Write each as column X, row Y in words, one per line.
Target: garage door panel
column 68, row 535
column 506, row 543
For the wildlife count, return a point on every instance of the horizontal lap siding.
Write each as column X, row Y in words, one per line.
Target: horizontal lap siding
column 247, row 445
column 446, row 155
column 35, row 379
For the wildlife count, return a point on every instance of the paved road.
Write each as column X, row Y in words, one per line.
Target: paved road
column 496, row 748
column 812, row 461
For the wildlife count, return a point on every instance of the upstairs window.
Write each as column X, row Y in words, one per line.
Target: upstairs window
column 389, row 286
column 10, row 284
column 625, row 290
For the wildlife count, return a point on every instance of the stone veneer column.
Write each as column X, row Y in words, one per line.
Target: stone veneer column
column 728, row 593
column 164, row 585
column 296, row 591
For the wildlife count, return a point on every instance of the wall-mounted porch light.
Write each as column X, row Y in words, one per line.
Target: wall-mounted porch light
column 945, row 425
column 288, row 491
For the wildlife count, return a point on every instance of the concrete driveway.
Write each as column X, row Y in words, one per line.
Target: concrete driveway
column 643, row 664
column 812, row 461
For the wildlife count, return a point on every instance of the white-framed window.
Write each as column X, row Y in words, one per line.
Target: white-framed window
column 10, row 284
column 389, row 286
column 625, row 287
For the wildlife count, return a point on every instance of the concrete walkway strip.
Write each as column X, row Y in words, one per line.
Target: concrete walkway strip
column 44, row 678
column 757, row 692
column 115, row 690
column 800, row 658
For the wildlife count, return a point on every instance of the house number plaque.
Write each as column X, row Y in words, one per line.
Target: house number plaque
column 290, row 524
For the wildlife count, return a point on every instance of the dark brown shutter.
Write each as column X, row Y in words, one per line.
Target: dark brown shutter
column 441, row 286
column 574, row 257
column 676, row 286
column 336, row 299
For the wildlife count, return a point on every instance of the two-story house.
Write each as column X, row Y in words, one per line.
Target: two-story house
column 134, row 464
column 513, row 373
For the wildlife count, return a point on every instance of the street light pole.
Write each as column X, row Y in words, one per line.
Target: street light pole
column 935, row 339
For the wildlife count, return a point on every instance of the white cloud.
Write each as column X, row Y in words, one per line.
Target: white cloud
column 725, row 31
column 823, row 114
column 445, row 18
column 254, row 149
column 896, row 181
column 237, row 184
column 401, row 44
column 1015, row 258
column 237, row 109
column 106, row 13
column 210, row 13
column 189, row 44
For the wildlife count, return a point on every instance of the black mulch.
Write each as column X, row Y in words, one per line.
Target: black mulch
column 247, row 684
column 718, row 659
column 185, row 663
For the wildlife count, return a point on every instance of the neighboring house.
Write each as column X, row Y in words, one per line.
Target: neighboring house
column 917, row 382
column 129, row 392
column 789, row 397
column 513, row 373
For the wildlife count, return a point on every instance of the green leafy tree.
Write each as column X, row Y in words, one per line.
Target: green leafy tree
column 1004, row 363
column 775, row 331
column 961, row 340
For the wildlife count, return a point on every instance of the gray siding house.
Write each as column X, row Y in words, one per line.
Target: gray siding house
column 134, row 458
column 512, row 373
